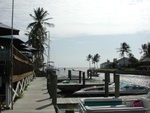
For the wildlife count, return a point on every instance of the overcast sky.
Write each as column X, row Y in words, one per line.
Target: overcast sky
column 85, row 27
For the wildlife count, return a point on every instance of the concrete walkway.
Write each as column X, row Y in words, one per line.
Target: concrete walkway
column 35, row 99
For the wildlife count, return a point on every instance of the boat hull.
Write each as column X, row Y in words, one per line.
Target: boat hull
column 110, row 105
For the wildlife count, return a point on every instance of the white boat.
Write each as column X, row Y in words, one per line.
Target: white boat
column 125, row 89
column 115, row 105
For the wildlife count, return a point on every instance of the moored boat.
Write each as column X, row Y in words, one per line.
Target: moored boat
column 115, row 105
column 125, row 89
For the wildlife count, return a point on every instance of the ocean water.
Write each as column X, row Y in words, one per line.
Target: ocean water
column 126, row 78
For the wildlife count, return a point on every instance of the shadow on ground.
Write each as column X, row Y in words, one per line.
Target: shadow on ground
column 42, row 107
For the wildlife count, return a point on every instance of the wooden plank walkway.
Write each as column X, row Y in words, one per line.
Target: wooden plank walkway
column 35, row 99
column 68, row 100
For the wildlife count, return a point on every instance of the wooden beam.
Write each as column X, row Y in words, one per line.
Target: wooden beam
column 21, row 60
column 16, row 78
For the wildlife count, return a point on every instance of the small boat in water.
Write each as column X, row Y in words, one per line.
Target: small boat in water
column 125, row 89
column 114, row 105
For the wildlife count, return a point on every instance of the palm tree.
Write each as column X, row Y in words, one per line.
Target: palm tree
column 89, row 57
column 145, row 50
column 125, row 48
column 40, row 19
column 96, row 59
column 38, row 34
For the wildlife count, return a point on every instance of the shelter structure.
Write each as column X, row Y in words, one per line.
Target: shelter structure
column 16, row 70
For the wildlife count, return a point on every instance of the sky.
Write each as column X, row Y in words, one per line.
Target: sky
column 84, row 27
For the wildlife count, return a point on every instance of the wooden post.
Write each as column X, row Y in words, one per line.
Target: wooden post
column 88, row 73
column 107, row 84
column 117, row 85
column 51, row 85
column 80, row 76
column 83, row 79
column 48, row 85
column 54, row 94
column 69, row 74
column 108, row 78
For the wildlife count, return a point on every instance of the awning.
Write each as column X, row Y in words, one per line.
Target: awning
column 6, row 30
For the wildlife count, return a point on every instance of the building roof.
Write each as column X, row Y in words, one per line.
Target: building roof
column 6, row 30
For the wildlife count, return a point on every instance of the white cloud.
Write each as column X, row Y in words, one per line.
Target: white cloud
column 101, row 17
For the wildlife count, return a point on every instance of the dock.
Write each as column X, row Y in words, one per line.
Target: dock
column 37, row 100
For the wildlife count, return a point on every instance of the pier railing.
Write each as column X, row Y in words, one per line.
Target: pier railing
column 22, row 66
column 16, row 71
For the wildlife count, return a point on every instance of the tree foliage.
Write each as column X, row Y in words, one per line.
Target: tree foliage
column 125, row 48
column 37, row 34
column 89, row 57
column 94, row 59
column 145, row 49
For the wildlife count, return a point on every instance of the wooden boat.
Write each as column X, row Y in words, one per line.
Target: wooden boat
column 125, row 89
column 114, row 105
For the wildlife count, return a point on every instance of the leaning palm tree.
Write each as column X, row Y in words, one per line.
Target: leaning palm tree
column 125, row 48
column 97, row 58
column 38, row 34
column 89, row 57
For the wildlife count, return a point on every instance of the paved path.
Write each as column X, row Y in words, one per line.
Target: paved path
column 35, row 99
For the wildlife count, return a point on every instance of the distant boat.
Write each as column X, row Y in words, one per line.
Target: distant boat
column 125, row 89
column 50, row 68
